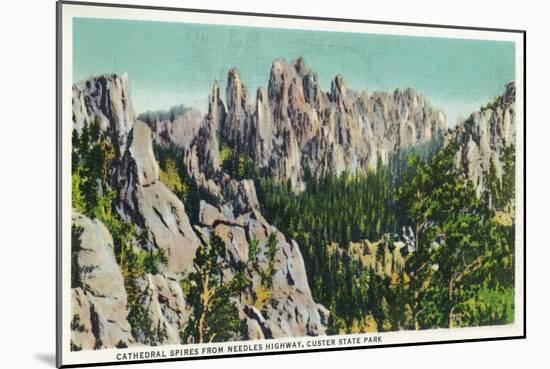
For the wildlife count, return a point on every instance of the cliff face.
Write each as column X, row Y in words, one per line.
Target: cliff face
column 482, row 138
column 105, row 98
column 294, row 127
column 100, row 310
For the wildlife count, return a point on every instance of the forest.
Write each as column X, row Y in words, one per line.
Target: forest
column 365, row 263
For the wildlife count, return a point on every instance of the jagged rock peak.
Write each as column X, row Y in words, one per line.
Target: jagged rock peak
column 483, row 137
column 300, row 66
column 297, row 66
column 106, row 98
column 284, row 76
column 99, row 299
column 338, row 87
column 509, row 96
column 236, row 93
column 215, row 95
column 261, row 95
column 293, row 125
column 338, row 92
column 216, row 108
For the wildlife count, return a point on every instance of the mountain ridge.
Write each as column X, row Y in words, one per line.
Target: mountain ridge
column 293, row 127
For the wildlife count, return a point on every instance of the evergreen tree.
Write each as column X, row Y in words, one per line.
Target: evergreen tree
column 459, row 247
column 215, row 317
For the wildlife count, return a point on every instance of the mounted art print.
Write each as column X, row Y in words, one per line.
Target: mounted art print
column 242, row 184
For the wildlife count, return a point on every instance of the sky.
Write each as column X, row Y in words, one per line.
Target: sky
column 176, row 63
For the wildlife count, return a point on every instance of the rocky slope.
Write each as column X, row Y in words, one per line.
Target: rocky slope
column 482, row 138
column 99, row 302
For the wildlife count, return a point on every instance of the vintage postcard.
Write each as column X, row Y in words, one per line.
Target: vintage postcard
column 238, row 184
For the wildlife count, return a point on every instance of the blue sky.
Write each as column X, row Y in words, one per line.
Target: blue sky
column 175, row 63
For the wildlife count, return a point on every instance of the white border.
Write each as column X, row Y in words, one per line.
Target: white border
column 69, row 11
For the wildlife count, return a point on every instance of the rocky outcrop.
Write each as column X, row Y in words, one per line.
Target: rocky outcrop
column 98, row 303
column 294, row 127
column 287, row 130
column 291, row 128
column 291, row 310
column 105, row 98
column 142, row 199
column 168, row 226
column 179, row 125
column 482, row 138
column 141, row 152
column 167, row 311
column 162, row 223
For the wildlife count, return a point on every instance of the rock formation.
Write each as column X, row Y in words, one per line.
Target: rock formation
column 482, row 138
column 98, row 307
column 144, row 201
column 292, row 311
column 293, row 126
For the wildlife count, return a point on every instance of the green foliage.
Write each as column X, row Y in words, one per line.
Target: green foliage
column 78, row 201
column 175, row 177
column 460, row 248
column 253, row 251
column 334, row 209
column 271, row 251
column 169, row 175
column 487, row 306
column 92, row 155
column 215, row 317
column 460, row 272
column 238, row 165
column 260, row 296
column 399, row 161
column 76, row 233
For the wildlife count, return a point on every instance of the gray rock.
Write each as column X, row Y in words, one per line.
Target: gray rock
column 258, row 327
column 166, row 308
column 163, row 215
column 107, row 99
column 482, row 138
column 141, row 150
column 180, row 129
column 82, row 336
column 235, row 240
column 209, row 214
column 294, row 126
column 292, row 310
column 99, row 297
column 146, row 202
column 142, row 199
